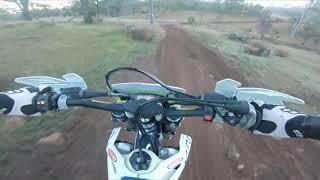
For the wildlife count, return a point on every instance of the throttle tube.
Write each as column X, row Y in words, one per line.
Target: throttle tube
column 238, row 107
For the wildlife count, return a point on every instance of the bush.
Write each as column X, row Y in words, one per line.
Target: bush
column 257, row 48
column 249, row 30
column 280, row 53
column 252, row 50
column 88, row 19
column 191, row 20
column 141, row 34
column 238, row 37
column 264, row 24
column 8, row 26
column 43, row 24
column 259, row 45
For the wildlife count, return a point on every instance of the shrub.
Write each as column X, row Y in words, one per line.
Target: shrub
column 259, row 45
column 280, row 53
column 264, row 24
column 141, row 34
column 257, row 48
column 43, row 24
column 252, row 50
column 8, row 26
column 88, row 19
column 191, row 20
column 238, row 37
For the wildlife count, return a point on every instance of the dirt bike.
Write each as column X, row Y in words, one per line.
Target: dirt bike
column 153, row 111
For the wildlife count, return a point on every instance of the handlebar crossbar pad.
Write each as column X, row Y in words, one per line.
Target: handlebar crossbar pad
column 143, row 88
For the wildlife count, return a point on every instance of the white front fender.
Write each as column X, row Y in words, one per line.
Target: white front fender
column 119, row 166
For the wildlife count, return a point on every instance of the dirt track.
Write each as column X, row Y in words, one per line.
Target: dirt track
column 186, row 62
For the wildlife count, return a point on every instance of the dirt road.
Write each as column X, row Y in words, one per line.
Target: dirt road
column 186, row 62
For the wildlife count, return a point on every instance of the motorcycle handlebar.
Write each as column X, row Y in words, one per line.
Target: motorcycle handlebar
column 237, row 107
column 120, row 108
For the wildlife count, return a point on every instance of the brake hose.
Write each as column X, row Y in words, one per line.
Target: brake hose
column 150, row 76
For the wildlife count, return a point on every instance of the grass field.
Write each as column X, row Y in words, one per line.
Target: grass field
column 49, row 49
column 297, row 74
column 56, row 49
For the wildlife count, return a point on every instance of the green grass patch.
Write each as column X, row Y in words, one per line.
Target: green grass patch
column 56, row 49
column 35, row 49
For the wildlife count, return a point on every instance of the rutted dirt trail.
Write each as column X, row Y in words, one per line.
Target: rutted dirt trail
column 218, row 151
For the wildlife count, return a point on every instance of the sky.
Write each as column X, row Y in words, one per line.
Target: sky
column 279, row 3
column 52, row 3
column 62, row 3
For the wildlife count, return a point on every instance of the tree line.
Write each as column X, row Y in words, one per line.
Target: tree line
column 306, row 25
column 115, row 8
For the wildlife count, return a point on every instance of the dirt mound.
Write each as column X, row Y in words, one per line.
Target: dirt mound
column 182, row 61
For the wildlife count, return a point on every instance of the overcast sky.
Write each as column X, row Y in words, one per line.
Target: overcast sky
column 279, row 3
column 268, row 3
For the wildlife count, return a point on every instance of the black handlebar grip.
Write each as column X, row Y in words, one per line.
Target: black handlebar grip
column 238, row 107
column 312, row 127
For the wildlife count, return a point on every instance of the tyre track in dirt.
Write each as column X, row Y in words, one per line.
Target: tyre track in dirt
column 184, row 61
column 181, row 60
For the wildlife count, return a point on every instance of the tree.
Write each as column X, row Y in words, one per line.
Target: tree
column 151, row 10
column 97, row 3
column 24, row 7
column 86, row 11
column 3, row 12
column 309, row 4
column 298, row 23
column 234, row 6
column 85, row 8
column 311, row 26
column 123, row 7
column 106, row 4
column 264, row 23
column 170, row 5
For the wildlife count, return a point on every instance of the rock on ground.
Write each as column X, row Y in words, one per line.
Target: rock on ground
column 53, row 139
